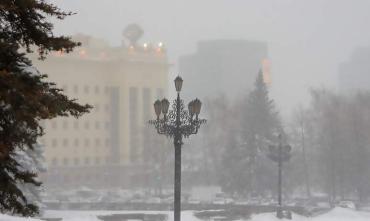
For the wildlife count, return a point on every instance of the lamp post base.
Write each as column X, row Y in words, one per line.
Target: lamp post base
column 281, row 214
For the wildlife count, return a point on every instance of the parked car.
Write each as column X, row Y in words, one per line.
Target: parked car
column 347, row 204
column 220, row 200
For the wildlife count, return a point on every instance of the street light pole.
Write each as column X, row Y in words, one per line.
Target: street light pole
column 280, row 172
column 177, row 123
column 279, row 154
column 177, row 181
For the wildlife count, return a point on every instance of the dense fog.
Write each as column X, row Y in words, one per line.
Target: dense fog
column 268, row 108
column 307, row 40
column 317, row 55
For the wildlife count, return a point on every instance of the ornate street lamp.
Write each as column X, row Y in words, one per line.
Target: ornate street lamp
column 177, row 123
column 279, row 154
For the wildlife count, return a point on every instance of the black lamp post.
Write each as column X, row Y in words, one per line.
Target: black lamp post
column 177, row 123
column 279, row 154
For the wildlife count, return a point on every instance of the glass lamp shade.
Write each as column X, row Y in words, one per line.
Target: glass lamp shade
column 157, row 107
column 287, row 148
column 197, row 105
column 191, row 108
column 178, row 83
column 165, row 105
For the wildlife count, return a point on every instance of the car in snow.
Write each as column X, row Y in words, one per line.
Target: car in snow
column 193, row 201
column 347, row 204
column 223, row 201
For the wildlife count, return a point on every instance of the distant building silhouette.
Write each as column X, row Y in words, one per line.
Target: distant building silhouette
column 355, row 73
column 224, row 66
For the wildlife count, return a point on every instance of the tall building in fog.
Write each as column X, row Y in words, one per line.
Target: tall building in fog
column 224, row 66
column 107, row 146
column 355, row 73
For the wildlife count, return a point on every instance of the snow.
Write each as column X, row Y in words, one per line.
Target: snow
column 342, row 214
column 337, row 214
column 205, row 193
column 14, row 218
column 92, row 215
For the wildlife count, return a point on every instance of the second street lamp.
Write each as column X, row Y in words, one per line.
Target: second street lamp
column 280, row 154
column 177, row 123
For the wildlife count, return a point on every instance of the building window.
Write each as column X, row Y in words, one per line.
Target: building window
column 107, row 142
column 97, row 142
column 96, row 89
column 87, row 125
column 65, row 161
column 76, row 142
column 54, row 142
column 86, row 89
column 87, row 161
column 65, row 142
column 97, row 160
column 66, row 179
column 87, row 142
column 75, row 124
column 75, row 89
column 65, row 124
column 54, row 162
column 76, row 161
column 106, row 108
column 97, row 125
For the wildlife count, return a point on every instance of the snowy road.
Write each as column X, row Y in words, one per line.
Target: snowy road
column 337, row 214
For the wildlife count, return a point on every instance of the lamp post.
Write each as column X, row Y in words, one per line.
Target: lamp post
column 177, row 123
column 279, row 154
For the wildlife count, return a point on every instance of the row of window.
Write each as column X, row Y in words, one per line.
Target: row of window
column 77, row 142
column 76, row 124
column 99, row 89
column 87, row 89
column 96, row 108
column 85, row 177
column 87, row 161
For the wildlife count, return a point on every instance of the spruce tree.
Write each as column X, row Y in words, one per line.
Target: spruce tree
column 32, row 160
column 255, row 121
column 26, row 97
column 259, row 125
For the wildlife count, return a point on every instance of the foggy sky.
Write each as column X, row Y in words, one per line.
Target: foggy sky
column 307, row 39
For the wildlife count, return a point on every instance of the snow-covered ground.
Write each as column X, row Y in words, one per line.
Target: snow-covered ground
column 337, row 214
column 13, row 218
column 92, row 215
